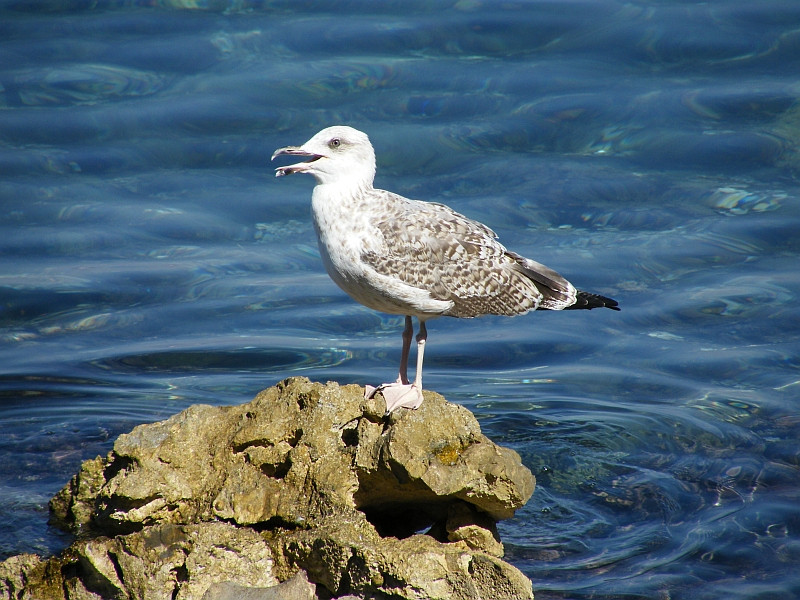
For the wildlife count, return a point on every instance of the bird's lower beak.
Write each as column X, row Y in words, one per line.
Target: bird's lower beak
column 297, row 167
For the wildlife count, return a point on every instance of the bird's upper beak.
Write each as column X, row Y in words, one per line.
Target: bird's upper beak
column 297, row 167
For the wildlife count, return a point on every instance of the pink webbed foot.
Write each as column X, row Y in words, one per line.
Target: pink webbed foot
column 397, row 395
column 401, row 395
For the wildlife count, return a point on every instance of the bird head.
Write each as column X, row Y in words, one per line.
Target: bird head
column 335, row 154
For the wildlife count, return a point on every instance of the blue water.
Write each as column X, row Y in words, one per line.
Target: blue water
column 649, row 151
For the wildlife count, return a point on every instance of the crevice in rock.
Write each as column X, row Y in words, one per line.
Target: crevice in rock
column 294, row 437
column 399, row 472
column 65, row 587
column 69, row 570
column 95, row 581
column 259, row 443
column 112, row 556
column 356, row 575
column 350, row 437
column 404, row 520
column 277, row 470
column 271, row 524
column 181, row 576
column 104, row 522
column 116, row 466
column 345, row 583
column 391, row 582
column 382, row 488
column 305, row 399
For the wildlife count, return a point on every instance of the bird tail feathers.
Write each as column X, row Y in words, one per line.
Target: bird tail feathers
column 589, row 301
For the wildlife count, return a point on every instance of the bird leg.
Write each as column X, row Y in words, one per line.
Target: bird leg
column 408, row 333
column 421, row 337
column 401, row 393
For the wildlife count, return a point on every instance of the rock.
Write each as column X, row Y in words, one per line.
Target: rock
column 17, row 571
column 154, row 563
column 477, row 530
column 222, row 502
column 296, row 588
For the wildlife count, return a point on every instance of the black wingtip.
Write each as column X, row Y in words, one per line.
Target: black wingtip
column 588, row 301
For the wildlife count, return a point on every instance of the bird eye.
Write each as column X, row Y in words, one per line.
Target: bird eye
column 335, row 143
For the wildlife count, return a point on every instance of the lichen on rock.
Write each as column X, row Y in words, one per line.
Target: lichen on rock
column 305, row 478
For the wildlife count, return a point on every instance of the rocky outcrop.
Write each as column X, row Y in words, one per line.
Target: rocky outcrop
column 307, row 480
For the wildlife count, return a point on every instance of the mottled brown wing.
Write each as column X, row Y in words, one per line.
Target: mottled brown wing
column 432, row 247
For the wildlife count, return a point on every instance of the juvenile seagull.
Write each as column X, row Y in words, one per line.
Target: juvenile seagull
column 414, row 258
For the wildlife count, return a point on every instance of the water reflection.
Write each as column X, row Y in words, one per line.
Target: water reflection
column 79, row 84
column 207, row 361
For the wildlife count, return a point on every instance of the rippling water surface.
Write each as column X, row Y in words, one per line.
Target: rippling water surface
column 646, row 150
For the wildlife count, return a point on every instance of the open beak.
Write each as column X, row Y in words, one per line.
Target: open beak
column 297, row 167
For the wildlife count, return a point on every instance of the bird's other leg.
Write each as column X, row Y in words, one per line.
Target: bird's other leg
column 421, row 337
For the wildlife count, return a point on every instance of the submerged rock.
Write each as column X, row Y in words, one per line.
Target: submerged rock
column 223, row 502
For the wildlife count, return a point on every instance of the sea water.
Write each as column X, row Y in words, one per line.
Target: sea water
column 647, row 150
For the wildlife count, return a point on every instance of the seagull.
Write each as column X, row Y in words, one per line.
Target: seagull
column 414, row 258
